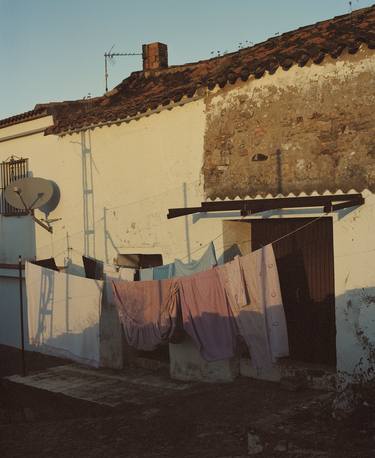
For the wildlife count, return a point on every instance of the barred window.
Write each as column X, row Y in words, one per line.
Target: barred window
column 12, row 169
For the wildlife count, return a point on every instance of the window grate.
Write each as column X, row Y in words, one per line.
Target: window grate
column 11, row 170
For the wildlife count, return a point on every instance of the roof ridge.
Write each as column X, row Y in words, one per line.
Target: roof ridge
column 141, row 91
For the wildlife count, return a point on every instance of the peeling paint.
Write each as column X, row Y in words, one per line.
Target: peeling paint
column 319, row 118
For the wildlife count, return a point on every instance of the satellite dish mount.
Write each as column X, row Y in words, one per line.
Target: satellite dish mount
column 31, row 193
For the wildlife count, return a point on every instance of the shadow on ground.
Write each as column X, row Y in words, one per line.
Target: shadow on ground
column 200, row 420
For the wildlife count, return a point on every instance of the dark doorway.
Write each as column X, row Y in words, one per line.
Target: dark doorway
column 306, row 271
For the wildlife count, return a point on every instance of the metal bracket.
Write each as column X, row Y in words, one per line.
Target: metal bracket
column 29, row 211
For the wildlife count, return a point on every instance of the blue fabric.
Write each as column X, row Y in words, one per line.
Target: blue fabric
column 163, row 272
column 206, row 262
column 146, row 274
column 181, row 269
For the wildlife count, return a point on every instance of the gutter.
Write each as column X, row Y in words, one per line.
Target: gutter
column 23, row 134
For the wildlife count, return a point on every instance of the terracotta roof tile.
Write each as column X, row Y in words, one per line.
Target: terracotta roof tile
column 22, row 117
column 140, row 92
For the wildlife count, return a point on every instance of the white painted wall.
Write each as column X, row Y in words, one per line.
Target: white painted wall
column 139, row 170
column 354, row 247
column 10, row 315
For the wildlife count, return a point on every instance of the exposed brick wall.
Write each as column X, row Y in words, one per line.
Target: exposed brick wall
column 155, row 56
column 313, row 127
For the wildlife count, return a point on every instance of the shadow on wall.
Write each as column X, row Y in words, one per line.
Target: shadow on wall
column 10, row 322
column 67, row 319
column 355, row 318
column 64, row 315
column 17, row 235
column 88, row 195
column 355, row 312
column 229, row 254
column 187, row 232
column 108, row 240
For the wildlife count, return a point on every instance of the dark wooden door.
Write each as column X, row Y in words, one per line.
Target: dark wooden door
column 305, row 265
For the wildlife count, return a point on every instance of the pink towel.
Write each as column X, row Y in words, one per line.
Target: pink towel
column 206, row 315
column 147, row 310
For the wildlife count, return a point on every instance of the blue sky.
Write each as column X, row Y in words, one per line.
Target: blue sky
column 52, row 50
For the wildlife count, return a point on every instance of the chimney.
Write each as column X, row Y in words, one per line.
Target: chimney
column 155, row 56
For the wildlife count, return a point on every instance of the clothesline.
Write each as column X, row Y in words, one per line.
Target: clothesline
column 213, row 307
column 210, row 312
column 249, row 240
column 220, row 235
column 74, row 234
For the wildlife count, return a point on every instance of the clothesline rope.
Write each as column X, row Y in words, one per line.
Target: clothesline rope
column 298, row 229
column 209, row 243
column 241, row 242
column 101, row 219
column 249, row 240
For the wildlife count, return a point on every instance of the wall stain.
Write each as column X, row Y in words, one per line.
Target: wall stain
column 318, row 134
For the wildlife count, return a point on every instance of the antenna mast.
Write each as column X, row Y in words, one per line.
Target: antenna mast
column 109, row 56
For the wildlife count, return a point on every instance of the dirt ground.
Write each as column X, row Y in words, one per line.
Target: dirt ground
column 205, row 420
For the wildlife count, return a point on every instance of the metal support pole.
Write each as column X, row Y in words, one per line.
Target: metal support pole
column 21, row 316
column 106, row 72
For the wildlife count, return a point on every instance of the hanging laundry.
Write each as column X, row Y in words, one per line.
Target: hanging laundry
column 63, row 314
column 275, row 313
column 242, row 284
column 232, row 280
column 147, row 310
column 126, row 274
column 181, row 269
column 206, row 262
column 111, row 272
column 163, row 272
column 111, row 350
column 49, row 263
column 206, row 315
column 146, row 274
column 253, row 291
column 93, row 268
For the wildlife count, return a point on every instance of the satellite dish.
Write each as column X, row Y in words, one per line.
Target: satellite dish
column 31, row 193
column 53, row 202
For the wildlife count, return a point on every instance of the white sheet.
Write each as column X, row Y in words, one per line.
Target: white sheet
column 63, row 314
column 253, row 291
column 275, row 314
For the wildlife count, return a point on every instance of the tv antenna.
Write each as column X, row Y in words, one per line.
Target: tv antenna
column 109, row 56
column 351, row 6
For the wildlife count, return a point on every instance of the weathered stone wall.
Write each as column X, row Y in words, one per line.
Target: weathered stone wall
column 311, row 129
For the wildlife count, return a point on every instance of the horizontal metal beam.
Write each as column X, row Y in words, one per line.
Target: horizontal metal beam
column 342, row 205
column 273, row 204
column 248, row 207
column 176, row 212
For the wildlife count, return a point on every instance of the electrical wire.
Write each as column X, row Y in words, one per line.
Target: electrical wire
column 168, row 191
column 223, row 232
column 74, row 234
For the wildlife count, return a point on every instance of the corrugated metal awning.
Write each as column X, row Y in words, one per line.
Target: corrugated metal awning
column 247, row 207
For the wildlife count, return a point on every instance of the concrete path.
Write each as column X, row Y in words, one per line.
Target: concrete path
column 100, row 386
